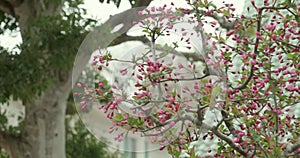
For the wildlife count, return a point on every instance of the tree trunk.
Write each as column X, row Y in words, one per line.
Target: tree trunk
column 43, row 135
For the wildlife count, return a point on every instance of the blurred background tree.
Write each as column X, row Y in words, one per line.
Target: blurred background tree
column 38, row 72
column 82, row 144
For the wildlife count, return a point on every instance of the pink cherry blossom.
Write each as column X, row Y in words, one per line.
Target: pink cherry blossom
column 270, row 27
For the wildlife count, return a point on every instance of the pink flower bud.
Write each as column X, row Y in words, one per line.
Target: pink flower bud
column 172, row 99
column 140, row 13
column 236, row 140
column 180, row 66
column 162, row 148
column 139, row 77
column 123, row 72
column 270, row 27
column 273, row 36
column 79, row 85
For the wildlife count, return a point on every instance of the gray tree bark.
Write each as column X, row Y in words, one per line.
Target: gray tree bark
column 44, row 131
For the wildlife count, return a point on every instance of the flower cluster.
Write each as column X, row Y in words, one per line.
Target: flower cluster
column 252, row 102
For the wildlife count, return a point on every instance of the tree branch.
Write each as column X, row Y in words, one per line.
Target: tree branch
column 228, row 123
column 189, row 55
column 15, row 3
column 125, row 38
column 222, row 22
column 244, row 85
column 7, row 7
column 184, row 79
column 141, row 3
column 220, row 19
column 229, row 141
column 219, row 135
column 102, row 36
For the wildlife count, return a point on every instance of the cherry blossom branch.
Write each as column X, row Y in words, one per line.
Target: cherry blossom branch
column 229, row 141
column 254, row 99
column 244, row 85
column 196, row 110
column 274, row 8
column 276, row 105
column 139, row 106
column 222, row 22
column 287, row 44
column 125, row 61
column 262, row 148
column 184, row 79
column 228, row 123
column 258, row 28
column 206, row 126
column 175, row 120
column 219, row 135
column 220, row 19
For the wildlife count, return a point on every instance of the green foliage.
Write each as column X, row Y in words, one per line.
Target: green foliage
column 4, row 126
column 8, row 22
column 9, row 129
column 118, row 2
column 3, row 154
column 82, row 144
column 47, row 53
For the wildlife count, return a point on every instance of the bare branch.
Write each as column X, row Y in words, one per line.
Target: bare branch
column 142, row 3
column 125, row 38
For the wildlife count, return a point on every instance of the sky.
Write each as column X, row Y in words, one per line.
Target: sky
column 102, row 11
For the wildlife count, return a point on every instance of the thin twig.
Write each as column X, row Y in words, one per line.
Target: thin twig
column 184, row 79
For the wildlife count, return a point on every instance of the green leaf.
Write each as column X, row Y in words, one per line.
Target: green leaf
column 291, row 55
column 288, row 2
column 134, row 98
column 228, row 55
column 226, row 12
